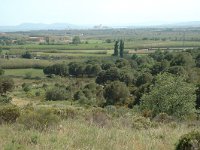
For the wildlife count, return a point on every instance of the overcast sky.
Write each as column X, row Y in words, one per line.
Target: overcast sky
column 106, row 12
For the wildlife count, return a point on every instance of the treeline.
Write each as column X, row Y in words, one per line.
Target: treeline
column 146, row 81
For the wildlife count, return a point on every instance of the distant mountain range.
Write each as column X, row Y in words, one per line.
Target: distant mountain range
column 39, row 26
column 67, row 26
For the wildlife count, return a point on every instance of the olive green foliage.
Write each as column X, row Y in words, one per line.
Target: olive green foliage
column 80, row 69
column 121, row 48
column 116, row 47
column 76, row 40
column 6, row 85
column 159, row 67
column 9, row 113
column 91, row 94
column 1, row 71
column 144, row 78
column 183, row 59
column 171, row 95
column 26, row 87
column 197, row 60
column 190, row 141
column 39, row 119
column 5, row 99
column 116, row 93
column 27, row 55
column 57, row 69
column 198, row 97
column 56, row 93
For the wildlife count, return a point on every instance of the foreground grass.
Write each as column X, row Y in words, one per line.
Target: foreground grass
column 79, row 134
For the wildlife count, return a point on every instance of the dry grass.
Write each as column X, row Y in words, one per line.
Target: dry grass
column 79, row 134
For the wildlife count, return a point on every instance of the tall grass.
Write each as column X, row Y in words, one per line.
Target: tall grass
column 78, row 134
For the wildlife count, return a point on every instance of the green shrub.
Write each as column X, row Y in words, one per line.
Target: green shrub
column 37, row 93
column 26, row 87
column 65, row 113
column 9, row 113
column 1, row 71
column 142, row 123
column 190, row 141
column 6, row 85
column 170, row 95
column 116, row 93
column 5, row 99
column 56, row 93
column 40, row 119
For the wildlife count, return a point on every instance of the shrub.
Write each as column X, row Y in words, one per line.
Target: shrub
column 171, row 95
column 27, row 88
column 6, row 85
column 40, row 119
column 37, row 93
column 27, row 55
column 9, row 113
column 1, row 71
column 65, row 113
column 5, row 99
column 56, row 93
column 163, row 118
column 98, row 117
column 116, row 93
column 190, row 141
column 142, row 123
column 92, row 95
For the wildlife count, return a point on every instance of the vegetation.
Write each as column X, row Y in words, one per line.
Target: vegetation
column 171, row 95
column 189, row 141
column 74, row 93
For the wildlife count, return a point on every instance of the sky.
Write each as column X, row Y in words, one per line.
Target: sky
column 94, row 12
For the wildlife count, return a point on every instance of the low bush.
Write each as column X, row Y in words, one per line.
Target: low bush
column 26, row 87
column 142, row 123
column 163, row 118
column 40, row 119
column 190, row 141
column 5, row 99
column 98, row 117
column 9, row 113
column 65, row 113
column 56, row 93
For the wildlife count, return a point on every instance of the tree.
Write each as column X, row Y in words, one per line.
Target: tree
column 76, row 40
column 116, row 47
column 47, row 40
column 171, row 95
column 198, row 97
column 57, row 69
column 121, row 48
column 183, row 59
column 197, row 60
column 144, row 78
column 111, row 74
column 6, row 85
column 27, row 55
column 116, row 93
